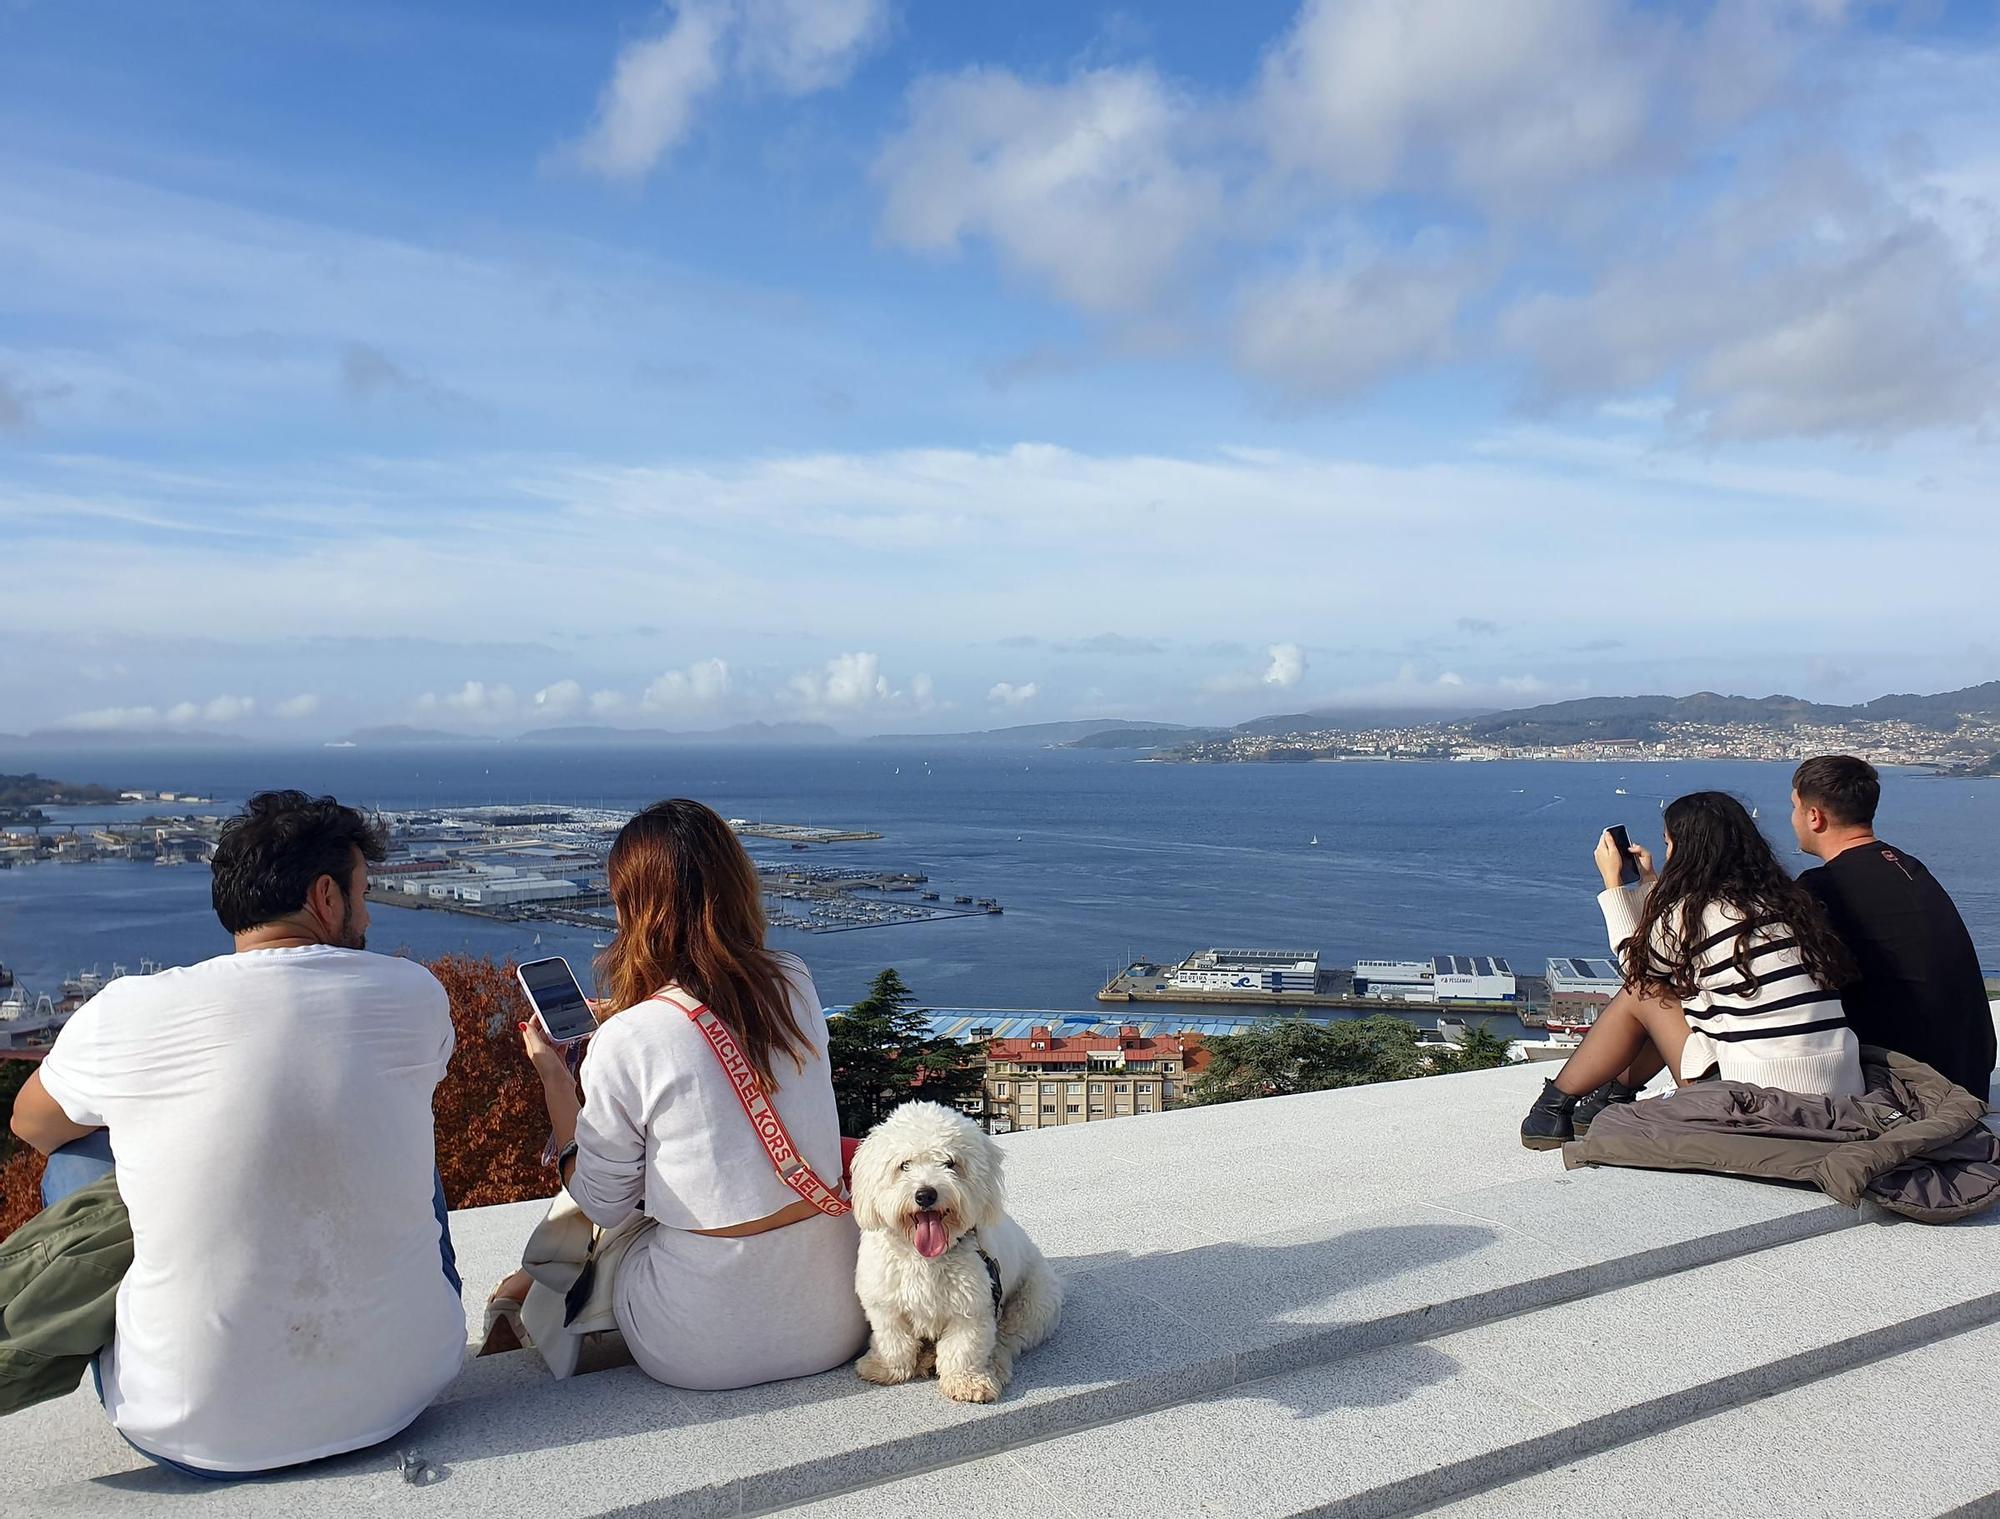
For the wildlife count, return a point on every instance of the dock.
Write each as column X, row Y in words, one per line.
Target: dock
column 1146, row 981
column 800, row 833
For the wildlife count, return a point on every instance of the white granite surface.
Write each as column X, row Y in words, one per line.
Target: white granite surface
column 1359, row 1302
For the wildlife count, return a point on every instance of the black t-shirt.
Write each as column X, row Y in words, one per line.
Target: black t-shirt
column 1920, row 990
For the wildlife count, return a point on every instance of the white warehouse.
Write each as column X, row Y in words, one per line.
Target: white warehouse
column 1473, row 978
column 1248, row 970
column 1395, row 980
column 515, row 890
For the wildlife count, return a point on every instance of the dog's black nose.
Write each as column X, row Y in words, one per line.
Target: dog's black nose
column 927, row 1197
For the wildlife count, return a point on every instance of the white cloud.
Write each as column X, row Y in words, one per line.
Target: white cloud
column 1333, row 332
column 700, row 685
column 604, row 703
column 563, row 699
column 144, row 719
column 1078, row 184
column 1007, row 694
column 807, row 45
column 305, row 704
column 1451, row 678
column 228, row 709
column 649, row 103
column 1808, row 302
column 850, row 683
column 658, row 83
column 1495, row 99
column 854, row 680
column 1287, row 667
column 1523, row 685
column 475, row 699
column 113, row 719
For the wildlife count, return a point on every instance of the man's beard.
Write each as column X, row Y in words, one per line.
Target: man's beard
column 349, row 938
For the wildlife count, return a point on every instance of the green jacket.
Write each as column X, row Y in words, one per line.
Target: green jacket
column 59, row 1276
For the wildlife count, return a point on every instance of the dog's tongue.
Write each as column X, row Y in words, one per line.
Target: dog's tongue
column 930, row 1240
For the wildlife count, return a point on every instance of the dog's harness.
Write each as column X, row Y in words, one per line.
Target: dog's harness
column 992, row 1269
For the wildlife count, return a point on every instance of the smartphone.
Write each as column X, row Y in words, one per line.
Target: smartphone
column 1628, row 869
column 557, row 1000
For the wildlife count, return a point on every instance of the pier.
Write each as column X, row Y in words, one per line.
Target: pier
column 1147, row 981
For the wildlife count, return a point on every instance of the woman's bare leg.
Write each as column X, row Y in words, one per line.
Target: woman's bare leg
column 1631, row 1029
column 1647, row 1064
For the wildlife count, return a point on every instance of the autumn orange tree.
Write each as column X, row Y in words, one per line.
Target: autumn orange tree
column 20, row 1189
column 492, row 1124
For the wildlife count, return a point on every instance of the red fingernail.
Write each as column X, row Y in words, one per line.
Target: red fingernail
column 522, row 1027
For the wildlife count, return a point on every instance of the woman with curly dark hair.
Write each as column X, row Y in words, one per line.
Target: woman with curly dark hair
column 1730, row 967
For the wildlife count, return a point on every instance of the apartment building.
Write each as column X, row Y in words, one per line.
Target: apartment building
column 1049, row 1079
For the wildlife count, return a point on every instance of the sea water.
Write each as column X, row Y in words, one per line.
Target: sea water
column 1097, row 858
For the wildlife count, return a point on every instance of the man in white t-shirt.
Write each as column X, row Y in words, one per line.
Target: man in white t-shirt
column 292, row 1292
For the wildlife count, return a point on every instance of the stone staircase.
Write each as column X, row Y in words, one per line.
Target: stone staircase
column 1368, row 1302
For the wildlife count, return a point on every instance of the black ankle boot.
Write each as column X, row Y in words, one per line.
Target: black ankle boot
column 1611, row 1094
column 1548, row 1125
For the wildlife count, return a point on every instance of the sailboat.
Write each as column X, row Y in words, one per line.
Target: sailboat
column 1313, row 840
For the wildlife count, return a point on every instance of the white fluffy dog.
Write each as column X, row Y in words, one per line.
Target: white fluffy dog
column 946, row 1278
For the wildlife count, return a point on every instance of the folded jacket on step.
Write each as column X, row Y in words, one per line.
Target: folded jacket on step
column 1913, row 1142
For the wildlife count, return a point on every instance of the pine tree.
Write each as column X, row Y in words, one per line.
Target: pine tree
column 1480, row 1050
column 883, row 1054
column 1293, row 1055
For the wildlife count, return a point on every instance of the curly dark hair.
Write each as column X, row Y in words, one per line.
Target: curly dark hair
column 1720, row 856
column 284, row 841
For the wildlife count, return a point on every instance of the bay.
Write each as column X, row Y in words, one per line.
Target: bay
column 1097, row 859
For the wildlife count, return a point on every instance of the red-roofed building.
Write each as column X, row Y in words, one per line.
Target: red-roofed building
column 1048, row 1079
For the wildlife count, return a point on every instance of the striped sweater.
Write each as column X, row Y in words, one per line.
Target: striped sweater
column 1779, row 1028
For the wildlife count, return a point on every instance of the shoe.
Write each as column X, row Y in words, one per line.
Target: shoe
column 1548, row 1125
column 1611, row 1094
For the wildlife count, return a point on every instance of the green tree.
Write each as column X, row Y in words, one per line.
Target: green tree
column 1296, row 1056
column 883, row 1054
column 1480, row 1050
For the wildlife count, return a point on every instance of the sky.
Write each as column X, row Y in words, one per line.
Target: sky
column 912, row 366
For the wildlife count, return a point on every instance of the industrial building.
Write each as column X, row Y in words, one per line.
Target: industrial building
column 1249, row 970
column 511, row 891
column 1395, row 980
column 1579, row 986
column 1440, row 979
column 1473, row 978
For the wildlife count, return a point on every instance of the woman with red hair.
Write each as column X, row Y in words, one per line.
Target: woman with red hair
column 741, row 1278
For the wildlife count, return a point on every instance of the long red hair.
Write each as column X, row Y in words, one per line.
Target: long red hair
column 691, row 914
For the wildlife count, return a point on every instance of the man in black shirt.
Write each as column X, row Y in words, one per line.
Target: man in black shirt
column 1920, row 990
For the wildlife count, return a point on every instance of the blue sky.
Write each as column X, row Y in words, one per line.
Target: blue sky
column 912, row 366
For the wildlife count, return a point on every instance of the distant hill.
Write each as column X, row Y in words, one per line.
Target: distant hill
column 739, row 733
column 1622, row 717
column 110, row 738
column 1038, row 735
column 391, row 734
column 1146, row 738
column 1353, row 718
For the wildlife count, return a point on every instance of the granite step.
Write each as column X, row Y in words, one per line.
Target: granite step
column 1502, row 1409
column 1879, row 1439
column 1142, row 1333
column 1203, row 1250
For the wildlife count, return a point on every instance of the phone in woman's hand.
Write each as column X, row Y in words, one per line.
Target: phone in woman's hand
column 1628, row 862
column 558, row 1001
